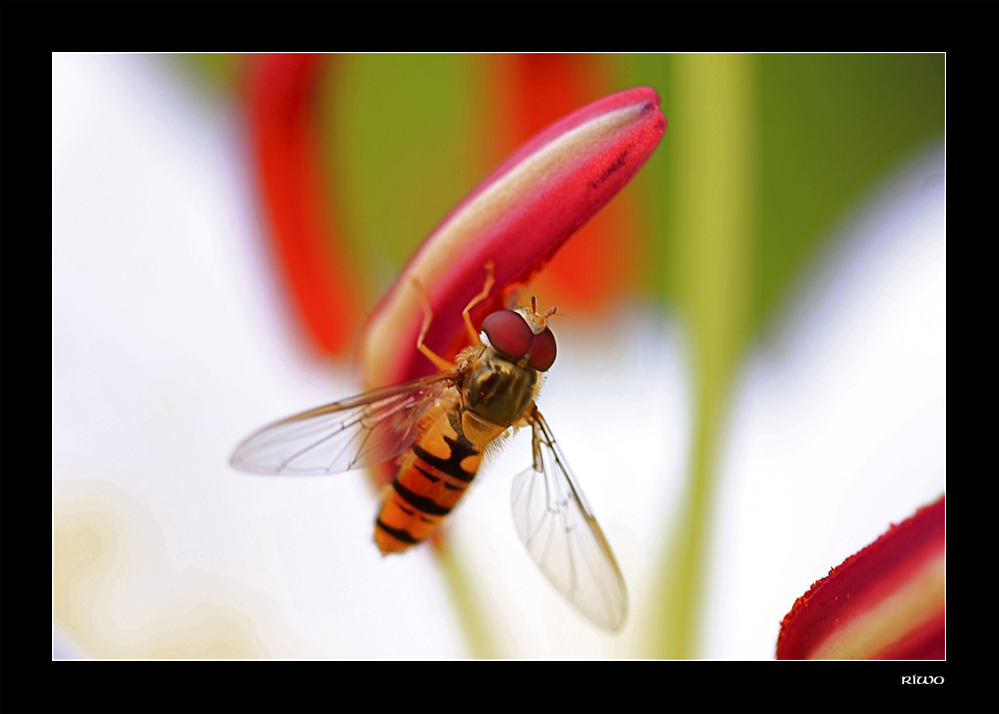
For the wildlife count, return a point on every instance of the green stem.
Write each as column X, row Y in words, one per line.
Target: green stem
column 473, row 622
column 712, row 126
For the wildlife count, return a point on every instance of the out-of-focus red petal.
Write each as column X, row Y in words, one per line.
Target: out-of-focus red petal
column 885, row 602
column 283, row 124
column 517, row 218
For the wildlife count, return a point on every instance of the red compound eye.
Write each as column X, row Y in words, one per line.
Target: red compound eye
column 509, row 333
column 542, row 351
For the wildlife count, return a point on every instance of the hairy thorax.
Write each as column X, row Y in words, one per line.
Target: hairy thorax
column 496, row 392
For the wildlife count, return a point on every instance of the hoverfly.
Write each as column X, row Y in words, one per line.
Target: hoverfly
column 439, row 426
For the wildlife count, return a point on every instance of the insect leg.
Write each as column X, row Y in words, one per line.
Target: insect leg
column 487, row 286
column 536, row 448
column 428, row 316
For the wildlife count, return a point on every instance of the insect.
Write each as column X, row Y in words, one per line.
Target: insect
column 439, row 426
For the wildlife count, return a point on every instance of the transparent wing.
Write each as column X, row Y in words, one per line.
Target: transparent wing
column 364, row 430
column 557, row 526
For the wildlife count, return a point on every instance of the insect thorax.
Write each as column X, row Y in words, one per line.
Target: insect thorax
column 497, row 389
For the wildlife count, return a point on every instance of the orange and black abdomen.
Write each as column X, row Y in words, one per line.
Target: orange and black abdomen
column 431, row 480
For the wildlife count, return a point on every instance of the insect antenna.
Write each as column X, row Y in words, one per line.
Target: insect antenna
column 540, row 318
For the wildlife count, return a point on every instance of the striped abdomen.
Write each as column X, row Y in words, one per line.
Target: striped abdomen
column 429, row 483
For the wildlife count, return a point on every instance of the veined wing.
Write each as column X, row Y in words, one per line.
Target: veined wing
column 557, row 526
column 364, row 430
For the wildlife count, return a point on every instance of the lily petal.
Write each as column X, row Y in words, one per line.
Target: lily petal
column 285, row 137
column 885, row 602
column 517, row 218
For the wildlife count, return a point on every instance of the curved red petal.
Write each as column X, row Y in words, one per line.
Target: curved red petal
column 602, row 260
column 517, row 218
column 885, row 602
column 286, row 145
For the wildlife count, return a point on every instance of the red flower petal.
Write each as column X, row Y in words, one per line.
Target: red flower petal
column 517, row 218
column 603, row 260
column 286, row 143
column 885, row 602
